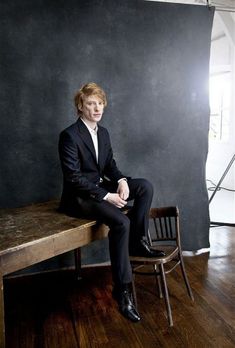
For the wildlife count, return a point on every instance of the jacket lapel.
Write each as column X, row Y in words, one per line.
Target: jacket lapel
column 86, row 137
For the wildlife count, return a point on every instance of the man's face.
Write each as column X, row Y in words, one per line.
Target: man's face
column 93, row 108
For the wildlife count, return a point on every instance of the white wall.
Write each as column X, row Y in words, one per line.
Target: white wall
column 222, row 58
column 222, row 206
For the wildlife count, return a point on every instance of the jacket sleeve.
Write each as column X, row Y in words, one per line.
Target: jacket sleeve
column 111, row 170
column 71, row 167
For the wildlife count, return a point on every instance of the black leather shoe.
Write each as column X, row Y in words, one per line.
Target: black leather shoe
column 144, row 250
column 126, row 306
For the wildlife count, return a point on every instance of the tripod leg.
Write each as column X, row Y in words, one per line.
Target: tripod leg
column 222, row 178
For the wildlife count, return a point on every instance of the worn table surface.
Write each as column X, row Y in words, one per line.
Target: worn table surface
column 29, row 224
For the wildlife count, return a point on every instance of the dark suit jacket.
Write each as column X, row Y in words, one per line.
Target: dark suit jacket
column 80, row 169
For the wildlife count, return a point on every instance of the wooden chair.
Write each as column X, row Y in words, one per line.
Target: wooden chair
column 164, row 223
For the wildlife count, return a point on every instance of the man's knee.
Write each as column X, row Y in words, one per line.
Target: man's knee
column 145, row 186
column 123, row 221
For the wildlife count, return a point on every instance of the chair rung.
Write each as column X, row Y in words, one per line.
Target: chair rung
column 146, row 273
column 172, row 268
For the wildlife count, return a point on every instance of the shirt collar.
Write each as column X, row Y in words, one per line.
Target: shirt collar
column 93, row 131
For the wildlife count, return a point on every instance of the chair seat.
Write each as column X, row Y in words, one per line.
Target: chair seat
column 170, row 251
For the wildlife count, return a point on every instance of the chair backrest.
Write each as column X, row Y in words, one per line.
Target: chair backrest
column 165, row 223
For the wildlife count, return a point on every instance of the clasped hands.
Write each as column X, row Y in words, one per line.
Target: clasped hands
column 119, row 199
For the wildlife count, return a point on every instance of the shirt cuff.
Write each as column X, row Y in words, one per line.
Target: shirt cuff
column 106, row 196
column 122, row 179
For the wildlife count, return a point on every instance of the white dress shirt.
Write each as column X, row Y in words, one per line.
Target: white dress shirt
column 94, row 137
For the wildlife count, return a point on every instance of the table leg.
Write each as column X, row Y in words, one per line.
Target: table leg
column 2, row 322
column 78, row 267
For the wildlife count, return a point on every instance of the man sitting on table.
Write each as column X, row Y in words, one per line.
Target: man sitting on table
column 94, row 188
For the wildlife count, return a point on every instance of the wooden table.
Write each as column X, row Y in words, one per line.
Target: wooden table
column 36, row 233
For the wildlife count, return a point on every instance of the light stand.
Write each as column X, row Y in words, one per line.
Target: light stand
column 216, row 189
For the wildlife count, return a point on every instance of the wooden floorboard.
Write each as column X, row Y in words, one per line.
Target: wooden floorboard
column 55, row 310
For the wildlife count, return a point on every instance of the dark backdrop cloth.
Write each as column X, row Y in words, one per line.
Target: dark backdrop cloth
column 151, row 58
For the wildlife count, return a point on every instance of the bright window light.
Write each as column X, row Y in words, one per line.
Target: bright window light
column 220, row 96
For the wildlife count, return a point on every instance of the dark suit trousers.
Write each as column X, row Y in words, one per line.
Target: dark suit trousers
column 125, row 230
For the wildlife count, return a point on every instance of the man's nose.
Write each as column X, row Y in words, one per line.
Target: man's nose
column 96, row 107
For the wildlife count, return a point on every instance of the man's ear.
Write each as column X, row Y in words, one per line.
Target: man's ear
column 79, row 109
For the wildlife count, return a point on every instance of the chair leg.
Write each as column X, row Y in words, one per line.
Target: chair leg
column 149, row 238
column 167, row 301
column 158, row 280
column 182, row 266
column 134, row 291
